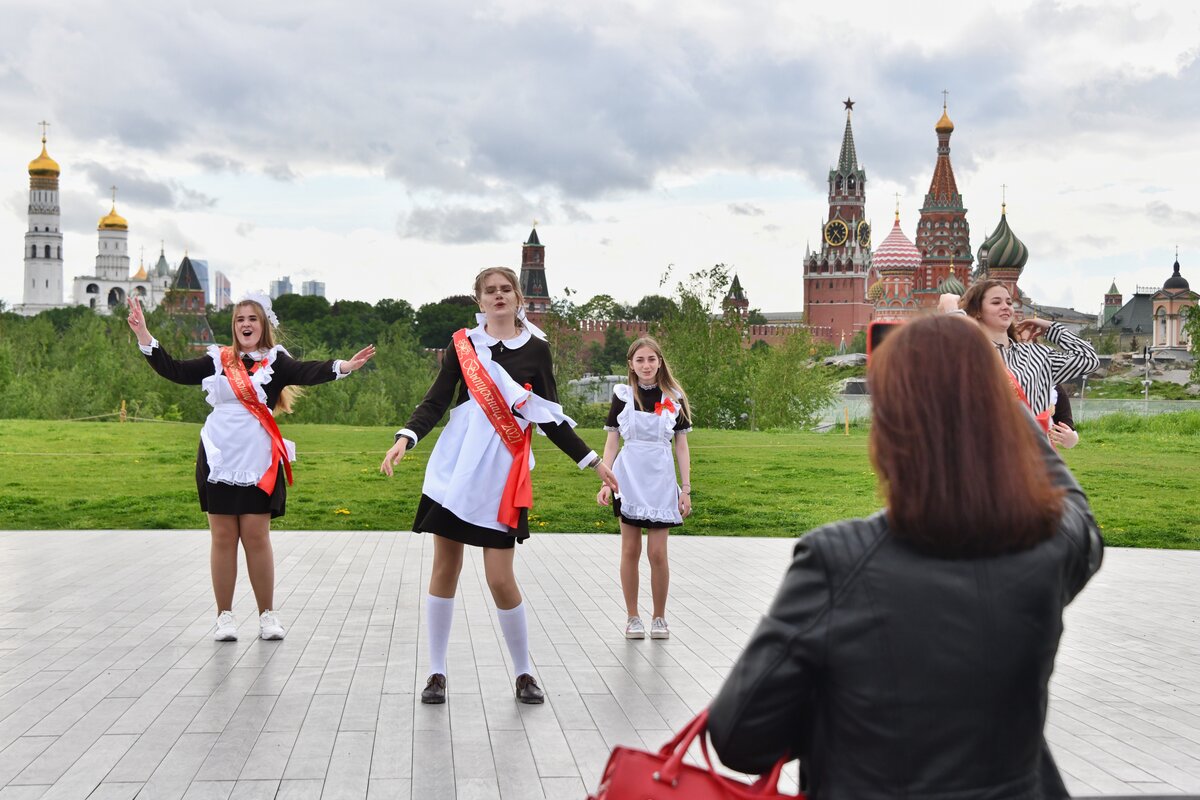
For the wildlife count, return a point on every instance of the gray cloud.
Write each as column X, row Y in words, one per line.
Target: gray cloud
column 1163, row 214
column 245, row 228
column 745, row 210
column 136, row 187
column 461, row 224
column 502, row 105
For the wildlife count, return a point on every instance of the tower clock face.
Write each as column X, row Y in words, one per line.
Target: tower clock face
column 836, row 232
column 864, row 234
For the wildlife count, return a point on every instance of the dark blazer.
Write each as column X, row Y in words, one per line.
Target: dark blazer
column 898, row 674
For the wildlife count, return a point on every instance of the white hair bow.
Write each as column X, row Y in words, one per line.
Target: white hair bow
column 263, row 300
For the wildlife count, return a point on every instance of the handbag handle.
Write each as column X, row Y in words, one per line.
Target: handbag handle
column 677, row 748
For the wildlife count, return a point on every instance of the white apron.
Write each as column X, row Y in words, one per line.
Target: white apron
column 469, row 464
column 237, row 447
column 645, row 467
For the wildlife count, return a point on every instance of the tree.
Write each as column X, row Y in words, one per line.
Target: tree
column 1191, row 326
column 603, row 306
column 653, row 308
column 755, row 317
column 296, row 309
column 391, row 311
column 610, row 358
column 787, row 391
column 705, row 352
column 437, row 322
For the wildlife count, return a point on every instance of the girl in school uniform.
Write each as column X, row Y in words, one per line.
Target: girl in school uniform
column 648, row 413
column 243, row 464
column 497, row 378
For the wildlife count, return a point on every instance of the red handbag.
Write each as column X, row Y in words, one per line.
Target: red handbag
column 637, row 775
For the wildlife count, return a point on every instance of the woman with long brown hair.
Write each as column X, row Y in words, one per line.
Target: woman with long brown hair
column 1036, row 368
column 498, row 380
column 243, row 460
column 908, row 654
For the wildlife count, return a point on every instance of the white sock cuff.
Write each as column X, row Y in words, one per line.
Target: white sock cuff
column 519, row 608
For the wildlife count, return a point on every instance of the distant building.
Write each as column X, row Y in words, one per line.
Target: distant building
column 281, row 287
column 43, row 287
column 201, row 269
column 312, row 288
column 1168, row 304
column 1132, row 323
column 185, row 302
column 222, row 296
column 533, row 277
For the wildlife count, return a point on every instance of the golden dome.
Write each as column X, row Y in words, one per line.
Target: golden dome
column 44, row 165
column 141, row 275
column 112, row 221
column 944, row 125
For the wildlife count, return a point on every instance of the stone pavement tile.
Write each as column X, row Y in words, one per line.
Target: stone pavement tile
column 254, row 790
column 300, row 790
column 74, row 743
column 516, row 771
column 433, row 766
column 232, row 749
column 115, row 791
column 152, row 746
column 269, row 756
column 76, row 707
column 310, row 754
column 90, row 768
column 152, row 701
column 349, row 766
column 22, row 792
column 209, row 790
column 476, row 789
column 389, row 789
column 564, row 787
column 292, row 705
column 562, row 697
column 20, row 754
column 223, row 701
column 392, row 757
column 174, row 774
column 362, row 702
column 470, row 741
column 591, row 753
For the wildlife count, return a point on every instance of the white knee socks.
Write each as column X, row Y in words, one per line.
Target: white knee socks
column 439, row 612
column 516, row 636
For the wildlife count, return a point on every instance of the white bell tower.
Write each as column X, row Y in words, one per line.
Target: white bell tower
column 43, row 240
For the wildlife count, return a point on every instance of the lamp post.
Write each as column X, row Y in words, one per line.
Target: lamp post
column 1146, row 382
column 1082, row 392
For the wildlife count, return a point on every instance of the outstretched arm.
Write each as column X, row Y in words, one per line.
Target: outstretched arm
column 189, row 373
column 360, row 358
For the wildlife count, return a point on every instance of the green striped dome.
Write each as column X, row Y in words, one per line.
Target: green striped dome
column 1003, row 249
column 952, row 285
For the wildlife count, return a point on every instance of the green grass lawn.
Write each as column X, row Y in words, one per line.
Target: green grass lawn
column 1143, row 484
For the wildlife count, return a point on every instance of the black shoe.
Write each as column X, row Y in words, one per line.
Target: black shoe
column 528, row 690
column 435, row 689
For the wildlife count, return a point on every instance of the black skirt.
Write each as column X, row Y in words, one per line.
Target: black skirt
column 640, row 523
column 432, row 517
column 225, row 498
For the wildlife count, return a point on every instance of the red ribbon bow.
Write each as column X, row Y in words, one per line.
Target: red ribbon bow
column 665, row 405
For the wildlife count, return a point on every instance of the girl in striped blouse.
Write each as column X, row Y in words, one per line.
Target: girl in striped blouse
column 1036, row 367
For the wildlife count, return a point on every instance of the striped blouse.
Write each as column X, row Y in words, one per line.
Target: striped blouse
column 1038, row 368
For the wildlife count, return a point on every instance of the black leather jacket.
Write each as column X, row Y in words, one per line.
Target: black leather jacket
column 899, row 675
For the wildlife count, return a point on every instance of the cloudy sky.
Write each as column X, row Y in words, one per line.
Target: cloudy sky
column 392, row 150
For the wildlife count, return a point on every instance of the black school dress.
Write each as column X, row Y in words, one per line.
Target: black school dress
column 469, row 464
column 235, row 451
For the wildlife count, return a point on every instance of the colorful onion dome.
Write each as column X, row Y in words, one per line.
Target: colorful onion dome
column 952, row 285
column 141, row 275
column 875, row 292
column 1003, row 250
column 1176, row 282
column 112, row 221
column 44, row 165
column 896, row 252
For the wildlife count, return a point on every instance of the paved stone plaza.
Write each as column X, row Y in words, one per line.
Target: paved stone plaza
column 111, row 686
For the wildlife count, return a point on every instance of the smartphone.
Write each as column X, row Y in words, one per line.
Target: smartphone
column 877, row 331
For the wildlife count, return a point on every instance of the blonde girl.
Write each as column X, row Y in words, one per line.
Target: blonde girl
column 648, row 413
column 242, row 465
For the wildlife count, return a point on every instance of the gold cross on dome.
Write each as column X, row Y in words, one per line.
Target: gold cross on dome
column 44, row 125
column 114, row 195
column 945, row 94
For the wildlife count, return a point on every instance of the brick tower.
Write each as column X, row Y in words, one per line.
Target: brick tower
column 533, row 277
column 836, row 277
column 943, row 236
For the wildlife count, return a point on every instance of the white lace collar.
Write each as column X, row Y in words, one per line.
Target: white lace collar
column 478, row 333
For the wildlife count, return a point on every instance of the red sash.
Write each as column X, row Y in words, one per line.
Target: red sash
column 518, row 492
column 243, row 390
column 1043, row 419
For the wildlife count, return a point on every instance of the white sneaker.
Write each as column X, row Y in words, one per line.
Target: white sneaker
column 226, row 627
column 269, row 627
column 634, row 629
column 659, row 629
